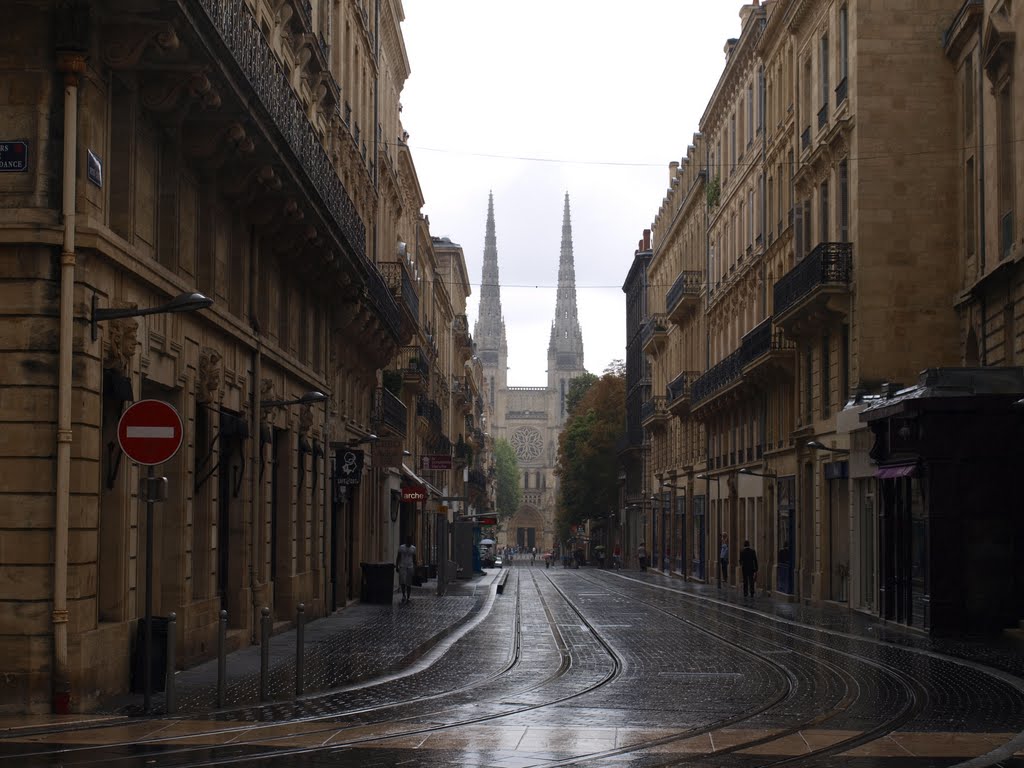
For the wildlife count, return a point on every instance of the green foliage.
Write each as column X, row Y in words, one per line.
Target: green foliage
column 577, row 389
column 714, row 191
column 588, row 468
column 509, row 494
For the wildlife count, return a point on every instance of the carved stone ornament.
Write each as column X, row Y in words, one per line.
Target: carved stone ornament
column 208, row 387
column 305, row 418
column 122, row 337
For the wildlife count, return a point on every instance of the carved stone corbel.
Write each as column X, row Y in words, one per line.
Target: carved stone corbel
column 123, row 339
column 208, row 385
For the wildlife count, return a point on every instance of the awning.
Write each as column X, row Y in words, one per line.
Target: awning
column 420, row 481
column 899, row 470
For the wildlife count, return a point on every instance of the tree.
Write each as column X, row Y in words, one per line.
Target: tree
column 588, row 468
column 577, row 389
column 509, row 495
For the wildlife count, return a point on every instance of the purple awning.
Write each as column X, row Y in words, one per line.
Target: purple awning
column 900, row 470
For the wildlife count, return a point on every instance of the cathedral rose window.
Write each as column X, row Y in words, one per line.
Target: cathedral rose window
column 528, row 443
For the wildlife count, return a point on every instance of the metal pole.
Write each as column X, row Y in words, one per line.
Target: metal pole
column 172, row 620
column 264, row 651
column 222, row 659
column 300, row 645
column 147, row 644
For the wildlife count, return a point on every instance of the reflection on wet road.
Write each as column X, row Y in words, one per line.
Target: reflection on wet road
column 587, row 667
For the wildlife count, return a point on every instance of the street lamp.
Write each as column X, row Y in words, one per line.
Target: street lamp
column 185, row 302
column 752, row 473
column 314, row 396
column 718, row 481
column 820, row 446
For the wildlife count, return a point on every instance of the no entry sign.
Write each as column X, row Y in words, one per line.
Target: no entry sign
column 149, row 432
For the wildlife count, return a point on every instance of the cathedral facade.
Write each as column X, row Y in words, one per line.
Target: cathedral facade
column 530, row 418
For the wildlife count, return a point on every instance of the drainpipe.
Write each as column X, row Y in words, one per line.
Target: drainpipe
column 980, row 108
column 72, row 65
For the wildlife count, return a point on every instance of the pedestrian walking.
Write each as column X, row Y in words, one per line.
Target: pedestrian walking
column 748, row 563
column 617, row 557
column 533, row 556
column 405, row 564
column 723, row 558
column 641, row 556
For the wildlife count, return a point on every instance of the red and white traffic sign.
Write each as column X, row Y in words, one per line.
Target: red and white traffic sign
column 150, row 432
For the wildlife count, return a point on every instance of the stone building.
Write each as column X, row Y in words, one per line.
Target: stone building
column 860, row 191
column 530, row 418
column 253, row 152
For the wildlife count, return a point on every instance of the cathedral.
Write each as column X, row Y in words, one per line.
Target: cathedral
column 530, row 418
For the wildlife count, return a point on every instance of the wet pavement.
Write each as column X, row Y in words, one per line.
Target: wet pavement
column 576, row 667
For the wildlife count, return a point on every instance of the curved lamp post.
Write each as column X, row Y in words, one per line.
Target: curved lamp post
column 185, row 302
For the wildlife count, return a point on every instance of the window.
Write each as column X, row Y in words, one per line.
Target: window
column 732, row 139
column 823, row 67
column 750, row 114
column 826, row 376
column 823, row 229
column 809, row 385
column 807, row 227
column 750, row 217
column 970, row 212
column 1005, row 163
column 844, row 201
column 844, row 380
column 969, row 96
column 844, row 43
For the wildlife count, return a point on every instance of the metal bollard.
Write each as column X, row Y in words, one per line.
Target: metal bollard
column 222, row 659
column 172, row 623
column 264, row 651
column 300, row 646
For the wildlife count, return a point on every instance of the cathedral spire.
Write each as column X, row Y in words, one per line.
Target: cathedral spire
column 565, row 350
column 489, row 332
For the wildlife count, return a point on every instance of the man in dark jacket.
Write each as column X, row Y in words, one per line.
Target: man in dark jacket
column 748, row 563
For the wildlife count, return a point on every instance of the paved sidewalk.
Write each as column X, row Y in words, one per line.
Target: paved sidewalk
column 358, row 643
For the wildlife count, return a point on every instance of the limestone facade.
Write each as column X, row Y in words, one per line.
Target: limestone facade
column 858, row 223
column 251, row 151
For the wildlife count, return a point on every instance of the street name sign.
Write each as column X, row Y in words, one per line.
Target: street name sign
column 150, row 432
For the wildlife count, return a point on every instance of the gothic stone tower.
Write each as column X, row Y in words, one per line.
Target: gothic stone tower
column 530, row 418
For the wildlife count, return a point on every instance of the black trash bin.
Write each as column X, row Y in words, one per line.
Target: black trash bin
column 158, row 661
column 378, row 583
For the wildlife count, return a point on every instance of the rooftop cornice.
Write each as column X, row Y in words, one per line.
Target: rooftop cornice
column 735, row 67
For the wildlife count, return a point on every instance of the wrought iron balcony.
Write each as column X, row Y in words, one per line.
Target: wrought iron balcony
column 477, row 479
column 720, row 376
column 429, row 411
column 655, row 331
column 384, row 304
column 684, row 295
column 403, row 290
column 825, row 271
column 393, row 413
column 653, row 412
column 677, row 393
column 241, row 35
column 761, row 343
column 415, row 368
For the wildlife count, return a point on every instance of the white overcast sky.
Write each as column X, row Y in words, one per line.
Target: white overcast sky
column 536, row 98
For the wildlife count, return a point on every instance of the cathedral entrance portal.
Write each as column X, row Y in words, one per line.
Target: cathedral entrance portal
column 526, row 537
column 527, row 528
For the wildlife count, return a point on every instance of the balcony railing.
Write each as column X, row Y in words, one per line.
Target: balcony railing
column 383, row 302
column 477, row 479
column 720, row 376
column 393, row 413
column 679, row 389
column 412, row 361
column 401, row 286
column 655, row 407
column 764, row 338
column 429, row 410
column 841, row 91
column 655, row 326
column 238, row 29
column 827, row 263
column 686, row 286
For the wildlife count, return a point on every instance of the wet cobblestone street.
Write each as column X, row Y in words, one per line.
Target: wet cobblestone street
column 577, row 667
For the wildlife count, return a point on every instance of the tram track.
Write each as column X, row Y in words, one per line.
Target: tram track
column 176, row 755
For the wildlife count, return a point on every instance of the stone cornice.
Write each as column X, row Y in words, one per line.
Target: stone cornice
column 743, row 55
